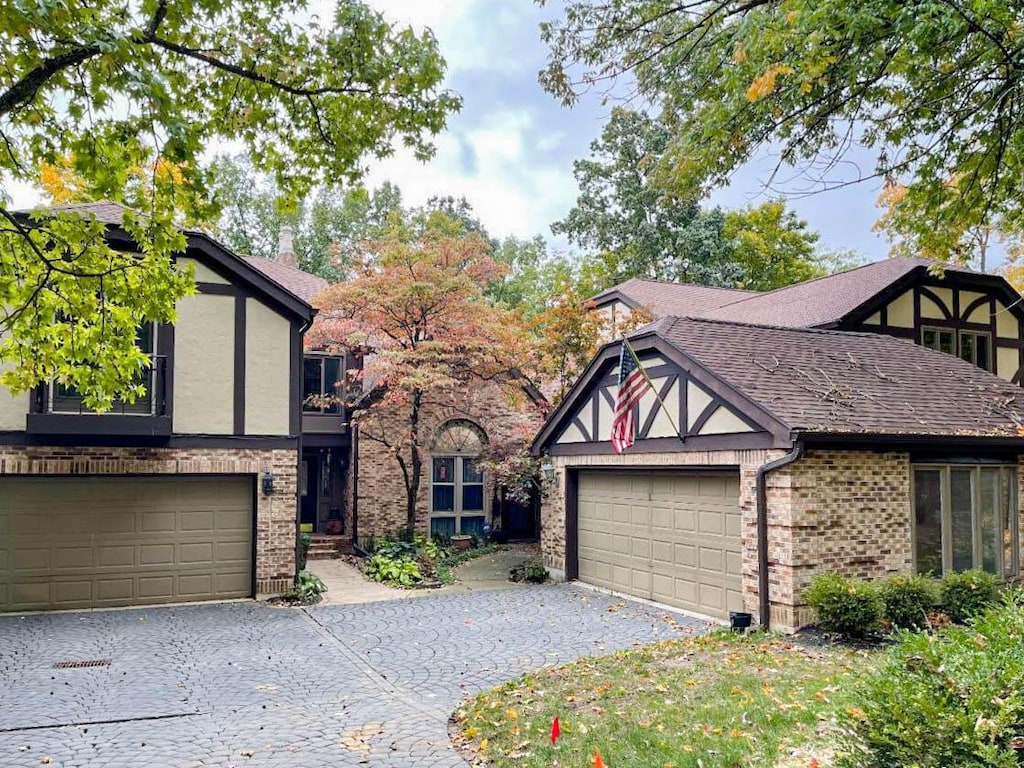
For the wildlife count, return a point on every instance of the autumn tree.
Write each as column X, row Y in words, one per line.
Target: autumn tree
column 419, row 307
column 931, row 88
column 115, row 86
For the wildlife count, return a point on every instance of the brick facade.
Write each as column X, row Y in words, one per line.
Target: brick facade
column 848, row 512
column 381, row 486
column 275, row 514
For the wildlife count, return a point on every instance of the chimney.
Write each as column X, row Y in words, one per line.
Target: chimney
column 285, row 249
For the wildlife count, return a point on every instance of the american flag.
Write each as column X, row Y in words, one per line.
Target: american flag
column 632, row 386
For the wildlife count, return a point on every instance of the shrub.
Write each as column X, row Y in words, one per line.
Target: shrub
column 908, row 600
column 531, row 570
column 307, row 589
column 399, row 570
column 305, row 540
column 850, row 607
column 968, row 593
column 952, row 698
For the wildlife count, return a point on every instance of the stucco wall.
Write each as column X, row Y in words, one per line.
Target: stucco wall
column 12, row 408
column 275, row 514
column 204, row 348
column 267, row 370
column 202, row 273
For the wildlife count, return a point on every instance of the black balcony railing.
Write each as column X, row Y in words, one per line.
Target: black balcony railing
column 58, row 399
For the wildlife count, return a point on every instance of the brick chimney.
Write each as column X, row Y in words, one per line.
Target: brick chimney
column 285, row 248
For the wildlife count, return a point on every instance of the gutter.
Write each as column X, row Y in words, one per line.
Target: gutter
column 764, row 601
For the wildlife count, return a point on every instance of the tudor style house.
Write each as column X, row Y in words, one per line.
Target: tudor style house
column 868, row 423
column 190, row 493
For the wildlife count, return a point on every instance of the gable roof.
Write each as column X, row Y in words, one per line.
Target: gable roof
column 666, row 299
column 822, row 302
column 843, row 382
column 201, row 244
column 303, row 284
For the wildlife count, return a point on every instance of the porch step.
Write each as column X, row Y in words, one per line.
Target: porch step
column 325, row 547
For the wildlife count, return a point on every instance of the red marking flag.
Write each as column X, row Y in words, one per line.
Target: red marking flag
column 633, row 383
column 556, row 731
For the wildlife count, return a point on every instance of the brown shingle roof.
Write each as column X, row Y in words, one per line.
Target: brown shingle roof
column 104, row 210
column 667, row 299
column 842, row 382
column 302, row 284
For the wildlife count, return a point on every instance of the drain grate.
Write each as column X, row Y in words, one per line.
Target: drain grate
column 82, row 664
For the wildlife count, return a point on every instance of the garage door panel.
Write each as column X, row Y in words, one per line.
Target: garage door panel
column 124, row 541
column 680, row 543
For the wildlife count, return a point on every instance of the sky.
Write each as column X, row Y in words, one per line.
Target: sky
column 510, row 150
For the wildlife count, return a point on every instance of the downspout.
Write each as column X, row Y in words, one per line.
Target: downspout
column 764, row 607
column 298, row 446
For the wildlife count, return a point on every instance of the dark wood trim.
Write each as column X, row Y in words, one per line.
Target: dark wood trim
column 702, row 419
column 572, row 523
column 341, row 439
column 165, row 347
column 887, row 442
column 656, row 407
column 657, row 372
column 931, row 322
column 595, row 414
column 110, row 440
column 1007, row 343
column 239, row 396
column 220, row 289
column 989, row 299
column 662, row 469
column 80, row 424
column 934, row 298
column 883, row 315
column 739, row 441
column 578, row 423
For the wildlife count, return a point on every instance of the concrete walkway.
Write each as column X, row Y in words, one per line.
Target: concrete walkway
column 347, row 586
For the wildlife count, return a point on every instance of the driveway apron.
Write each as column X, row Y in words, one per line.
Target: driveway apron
column 244, row 684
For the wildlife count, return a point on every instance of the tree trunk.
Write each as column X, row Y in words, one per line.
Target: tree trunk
column 412, row 484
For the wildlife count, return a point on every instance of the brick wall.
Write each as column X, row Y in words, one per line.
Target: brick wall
column 275, row 514
column 381, row 486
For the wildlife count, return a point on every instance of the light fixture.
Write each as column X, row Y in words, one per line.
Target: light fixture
column 268, row 483
column 549, row 470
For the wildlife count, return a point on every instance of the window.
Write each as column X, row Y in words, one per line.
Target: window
column 321, row 375
column 972, row 346
column 966, row 517
column 456, row 481
column 65, row 398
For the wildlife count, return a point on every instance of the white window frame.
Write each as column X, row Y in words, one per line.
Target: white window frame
column 1008, row 511
column 958, row 334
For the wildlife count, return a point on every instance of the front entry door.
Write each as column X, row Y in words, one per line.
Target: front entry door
column 310, row 491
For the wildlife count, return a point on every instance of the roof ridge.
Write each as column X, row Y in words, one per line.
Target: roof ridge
column 771, row 327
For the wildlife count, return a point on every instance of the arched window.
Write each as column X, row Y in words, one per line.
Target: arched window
column 457, row 503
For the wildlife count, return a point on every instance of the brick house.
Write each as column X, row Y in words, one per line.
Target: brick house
column 190, row 493
column 866, row 423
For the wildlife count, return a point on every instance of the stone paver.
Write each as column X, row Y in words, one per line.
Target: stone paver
column 243, row 684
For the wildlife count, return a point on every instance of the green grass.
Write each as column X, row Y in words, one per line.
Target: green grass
column 708, row 702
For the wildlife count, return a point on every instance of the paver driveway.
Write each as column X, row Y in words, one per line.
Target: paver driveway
column 242, row 684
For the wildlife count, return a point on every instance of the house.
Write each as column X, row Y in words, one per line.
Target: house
column 867, row 423
column 190, row 493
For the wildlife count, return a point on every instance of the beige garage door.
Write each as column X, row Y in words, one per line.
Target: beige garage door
column 670, row 537
column 101, row 542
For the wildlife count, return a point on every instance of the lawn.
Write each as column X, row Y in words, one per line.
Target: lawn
column 709, row 702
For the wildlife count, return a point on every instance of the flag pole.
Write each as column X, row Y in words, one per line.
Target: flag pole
column 654, row 389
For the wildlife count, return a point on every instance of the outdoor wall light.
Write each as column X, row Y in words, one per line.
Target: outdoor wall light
column 549, row 471
column 268, row 483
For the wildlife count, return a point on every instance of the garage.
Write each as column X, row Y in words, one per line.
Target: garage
column 98, row 542
column 668, row 536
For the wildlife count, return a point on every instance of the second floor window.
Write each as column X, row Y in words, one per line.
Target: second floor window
column 321, row 377
column 973, row 346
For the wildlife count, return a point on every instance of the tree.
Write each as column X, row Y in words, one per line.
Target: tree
column 117, row 86
column 329, row 225
column 420, row 307
column 931, row 87
column 772, row 246
column 629, row 223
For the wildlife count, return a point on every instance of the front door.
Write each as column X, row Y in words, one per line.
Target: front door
column 310, row 492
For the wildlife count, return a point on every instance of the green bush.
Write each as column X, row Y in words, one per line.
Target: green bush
column 968, row 593
column 401, row 570
column 531, row 570
column 908, row 600
column 850, row 607
column 955, row 698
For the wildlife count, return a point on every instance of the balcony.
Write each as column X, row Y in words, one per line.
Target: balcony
column 57, row 410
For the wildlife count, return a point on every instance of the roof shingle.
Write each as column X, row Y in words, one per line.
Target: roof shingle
column 302, row 284
column 667, row 299
column 849, row 383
